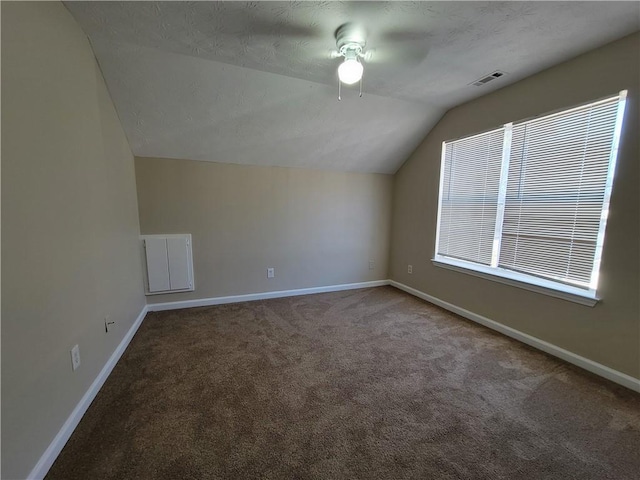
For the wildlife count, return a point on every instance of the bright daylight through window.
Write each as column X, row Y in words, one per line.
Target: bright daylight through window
column 527, row 203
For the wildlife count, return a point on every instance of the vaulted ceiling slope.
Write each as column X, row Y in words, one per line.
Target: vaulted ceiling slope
column 253, row 82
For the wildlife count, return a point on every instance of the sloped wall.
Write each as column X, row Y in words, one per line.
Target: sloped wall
column 69, row 226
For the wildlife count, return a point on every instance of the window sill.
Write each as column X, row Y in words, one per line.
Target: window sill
column 534, row 284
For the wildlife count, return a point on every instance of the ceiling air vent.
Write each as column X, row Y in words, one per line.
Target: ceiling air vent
column 488, row 78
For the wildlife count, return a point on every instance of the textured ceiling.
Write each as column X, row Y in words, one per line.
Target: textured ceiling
column 254, row 83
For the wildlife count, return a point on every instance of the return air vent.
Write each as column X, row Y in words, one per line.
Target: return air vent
column 488, row 78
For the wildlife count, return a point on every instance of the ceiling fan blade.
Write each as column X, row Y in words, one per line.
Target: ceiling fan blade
column 399, row 48
column 414, row 36
column 396, row 56
column 282, row 29
column 235, row 18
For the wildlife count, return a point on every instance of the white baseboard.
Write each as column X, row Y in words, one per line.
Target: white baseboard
column 55, row 447
column 206, row 302
column 594, row 367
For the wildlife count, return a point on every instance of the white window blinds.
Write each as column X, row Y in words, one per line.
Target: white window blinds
column 533, row 197
column 470, row 184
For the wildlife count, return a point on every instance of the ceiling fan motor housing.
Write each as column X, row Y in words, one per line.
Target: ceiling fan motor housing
column 350, row 40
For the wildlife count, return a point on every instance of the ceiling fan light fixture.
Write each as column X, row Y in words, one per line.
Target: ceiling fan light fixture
column 350, row 42
column 350, row 71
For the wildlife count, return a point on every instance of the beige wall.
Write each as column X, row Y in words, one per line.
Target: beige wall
column 608, row 333
column 69, row 226
column 314, row 227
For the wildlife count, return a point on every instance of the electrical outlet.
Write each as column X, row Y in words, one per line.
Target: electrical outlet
column 75, row 357
column 409, row 268
column 371, row 264
column 107, row 323
column 271, row 272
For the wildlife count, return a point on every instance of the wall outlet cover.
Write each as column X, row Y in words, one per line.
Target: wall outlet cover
column 409, row 268
column 75, row 357
column 271, row 272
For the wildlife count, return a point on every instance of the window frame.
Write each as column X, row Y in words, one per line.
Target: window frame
column 588, row 297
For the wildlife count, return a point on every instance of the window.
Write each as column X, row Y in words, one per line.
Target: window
column 527, row 203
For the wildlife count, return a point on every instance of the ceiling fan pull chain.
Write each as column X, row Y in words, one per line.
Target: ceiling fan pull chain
column 361, row 85
column 339, row 85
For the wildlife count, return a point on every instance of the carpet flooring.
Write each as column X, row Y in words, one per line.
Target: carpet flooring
column 360, row 384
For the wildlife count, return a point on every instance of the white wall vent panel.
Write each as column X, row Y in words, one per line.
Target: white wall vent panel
column 168, row 262
column 157, row 264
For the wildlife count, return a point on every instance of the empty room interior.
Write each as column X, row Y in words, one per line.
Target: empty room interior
column 320, row 240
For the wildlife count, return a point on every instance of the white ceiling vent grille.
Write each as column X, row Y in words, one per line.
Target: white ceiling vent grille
column 488, row 78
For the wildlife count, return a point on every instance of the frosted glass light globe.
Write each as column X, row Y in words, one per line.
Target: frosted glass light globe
column 350, row 71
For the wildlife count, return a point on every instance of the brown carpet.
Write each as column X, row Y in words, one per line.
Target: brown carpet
column 361, row 384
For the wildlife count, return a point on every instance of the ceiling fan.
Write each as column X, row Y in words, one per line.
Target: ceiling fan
column 388, row 49
column 350, row 44
column 351, row 40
